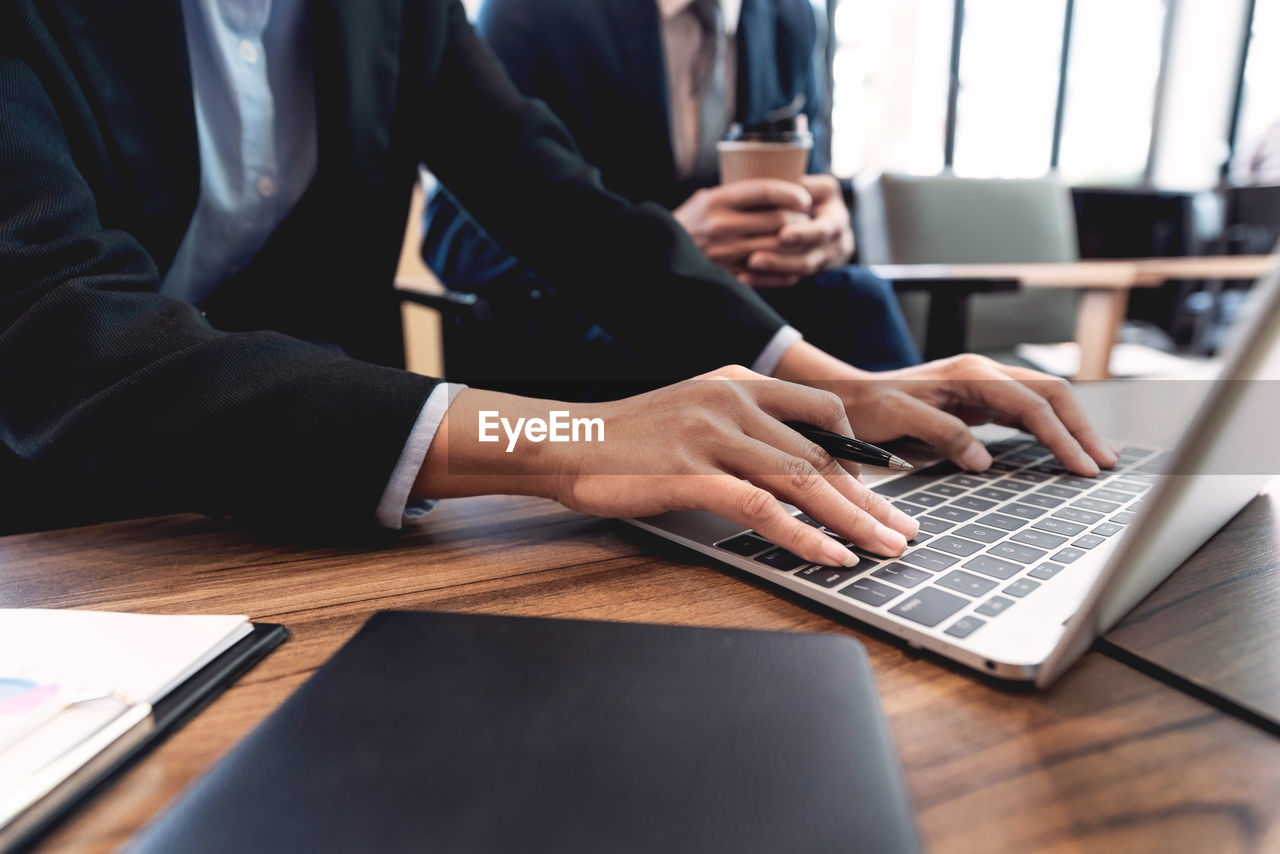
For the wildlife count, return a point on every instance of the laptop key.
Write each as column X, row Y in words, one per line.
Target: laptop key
column 1016, row 552
column 919, row 538
column 870, row 592
column 1124, row 518
column 964, row 627
column 1047, row 501
column 781, row 559
column 1077, row 482
column 1088, row 541
column 925, row 499
column 1096, row 505
column 1025, row 511
column 934, row 525
column 744, row 544
column 980, row 533
column 1069, row 555
column 930, row 560
column 971, row 503
column 1015, row 485
column 829, row 576
column 954, row 514
column 909, row 509
column 967, row 481
column 946, row 489
column 1031, row 476
column 1045, row 571
column 993, row 606
column 965, row 582
column 1040, row 539
column 1075, row 514
column 1021, row 587
column 929, row 606
column 955, row 546
column 1110, row 495
column 1004, row 523
column 808, row 520
column 1132, row 486
column 1058, row 491
column 901, row 574
column 1059, row 526
column 1107, row 529
column 995, row 494
column 993, row 566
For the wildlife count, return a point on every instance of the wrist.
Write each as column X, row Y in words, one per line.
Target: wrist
column 806, row 364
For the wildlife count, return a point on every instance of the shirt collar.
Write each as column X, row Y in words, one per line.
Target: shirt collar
column 732, row 9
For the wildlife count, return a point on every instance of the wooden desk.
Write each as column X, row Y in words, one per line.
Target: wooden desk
column 1104, row 286
column 1108, row 760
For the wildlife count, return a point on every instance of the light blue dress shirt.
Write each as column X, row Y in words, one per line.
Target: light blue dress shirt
column 255, row 102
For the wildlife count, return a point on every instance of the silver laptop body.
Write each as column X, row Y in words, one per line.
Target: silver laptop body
column 1020, row 568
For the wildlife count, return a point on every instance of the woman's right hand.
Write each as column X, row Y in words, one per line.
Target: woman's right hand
column 716, row 442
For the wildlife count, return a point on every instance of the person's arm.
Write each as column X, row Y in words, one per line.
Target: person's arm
column 629, row 267
column 102, row 375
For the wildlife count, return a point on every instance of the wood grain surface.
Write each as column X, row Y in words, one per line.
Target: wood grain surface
column 1215, row 623
column 1107, row 760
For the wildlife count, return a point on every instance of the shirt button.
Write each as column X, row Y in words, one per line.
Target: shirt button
column 249, row 52
column 266, row 187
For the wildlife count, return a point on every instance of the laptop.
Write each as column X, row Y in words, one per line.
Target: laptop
column 1019, row 568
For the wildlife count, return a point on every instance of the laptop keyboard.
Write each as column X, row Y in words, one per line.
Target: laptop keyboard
column 987, row 541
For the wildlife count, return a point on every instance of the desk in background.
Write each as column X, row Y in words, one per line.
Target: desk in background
column 1104, row 287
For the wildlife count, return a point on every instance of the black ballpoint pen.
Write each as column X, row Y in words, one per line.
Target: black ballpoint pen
column 847, row 448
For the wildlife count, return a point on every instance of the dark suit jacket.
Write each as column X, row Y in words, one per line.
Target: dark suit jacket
column 599, row 66
column 105, row 382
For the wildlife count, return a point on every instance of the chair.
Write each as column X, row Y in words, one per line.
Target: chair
column 943, row 219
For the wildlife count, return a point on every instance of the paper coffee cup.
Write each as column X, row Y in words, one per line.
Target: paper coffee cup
column 744, row 158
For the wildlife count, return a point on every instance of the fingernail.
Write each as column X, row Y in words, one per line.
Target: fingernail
column 976, row 458
column 894, row 542
column 903, row 522
column 837, row 555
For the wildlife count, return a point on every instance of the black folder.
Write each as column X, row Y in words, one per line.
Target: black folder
column 168, row 715
column 467, row 733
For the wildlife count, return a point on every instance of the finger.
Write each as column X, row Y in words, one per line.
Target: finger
column 907, row 416
column 753, row 507
column 765, row 280
column 782, row 401
column 803, row 264
column 821, row 187
column 734, row 251
column 1058, row 393
column 1033, row 413
column 796, row 480
column 840, row 474
column 765, row 193
column 735, row 223
column 815, row 231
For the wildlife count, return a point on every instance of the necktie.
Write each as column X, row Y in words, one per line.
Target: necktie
column 709, row 86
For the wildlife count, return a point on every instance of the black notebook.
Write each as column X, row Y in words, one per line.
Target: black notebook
column 466, row 733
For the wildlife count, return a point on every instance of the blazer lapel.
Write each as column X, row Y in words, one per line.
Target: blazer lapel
column 637, row 36
column 136, row 65
column 356, row 86
column 759, row 90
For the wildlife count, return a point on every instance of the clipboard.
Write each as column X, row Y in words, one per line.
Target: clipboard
column 130, row 735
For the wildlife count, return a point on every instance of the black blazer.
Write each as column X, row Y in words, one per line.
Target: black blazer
column 599, row 66
column 226, row 407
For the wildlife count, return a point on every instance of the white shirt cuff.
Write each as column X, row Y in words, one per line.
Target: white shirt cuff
column 396, row 507
column 767, row 362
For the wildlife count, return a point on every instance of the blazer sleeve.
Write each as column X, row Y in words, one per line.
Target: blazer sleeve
column 513, row 166
column 103, row 376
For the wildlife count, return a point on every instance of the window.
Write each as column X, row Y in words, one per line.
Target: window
column 1111, row 89
column 1010, row 53
column 1260, row 101
column 890, row 73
